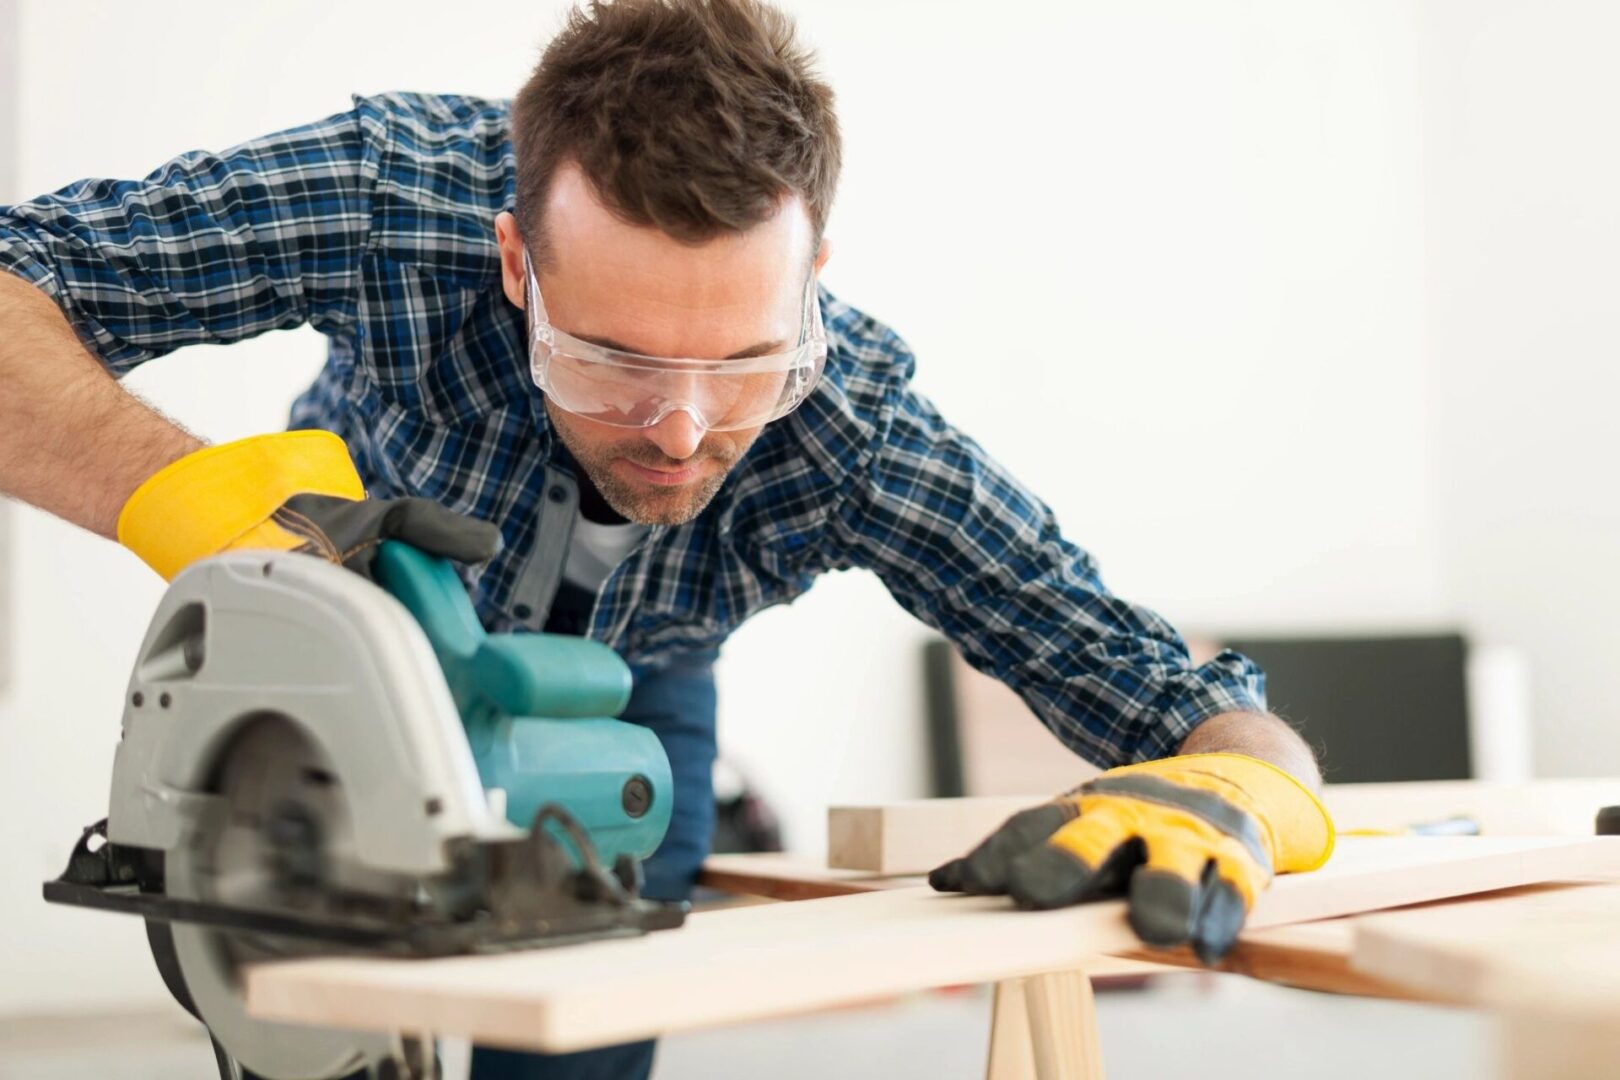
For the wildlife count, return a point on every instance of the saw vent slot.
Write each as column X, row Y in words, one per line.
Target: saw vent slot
column 180, row 647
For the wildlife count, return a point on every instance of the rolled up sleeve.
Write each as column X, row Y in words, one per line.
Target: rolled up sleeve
column 209, row 248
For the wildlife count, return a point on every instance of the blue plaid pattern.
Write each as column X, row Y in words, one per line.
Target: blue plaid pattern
column 374, row 226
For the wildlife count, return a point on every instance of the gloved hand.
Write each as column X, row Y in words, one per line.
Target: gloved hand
column 1192, row 840
column 292, row 491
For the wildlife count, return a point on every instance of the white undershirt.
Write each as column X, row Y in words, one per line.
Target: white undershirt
column 594, row 550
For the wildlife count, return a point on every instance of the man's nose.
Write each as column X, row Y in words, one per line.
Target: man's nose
column 678, row 435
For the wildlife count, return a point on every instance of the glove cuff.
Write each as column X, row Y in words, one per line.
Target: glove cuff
column 211, row 499
column 1299, row 829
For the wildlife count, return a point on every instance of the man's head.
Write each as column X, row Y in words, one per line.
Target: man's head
column 675, row 163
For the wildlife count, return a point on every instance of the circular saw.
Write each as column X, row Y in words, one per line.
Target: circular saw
column 312, row 763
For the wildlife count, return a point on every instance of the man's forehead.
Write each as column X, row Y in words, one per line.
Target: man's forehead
column 583, row 236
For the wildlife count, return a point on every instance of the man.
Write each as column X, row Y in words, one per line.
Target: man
column 580, row 343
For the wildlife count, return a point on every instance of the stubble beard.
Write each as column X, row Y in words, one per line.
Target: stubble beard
column 674, row 506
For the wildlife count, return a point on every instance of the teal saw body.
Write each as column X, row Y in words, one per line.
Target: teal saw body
column 538, row 710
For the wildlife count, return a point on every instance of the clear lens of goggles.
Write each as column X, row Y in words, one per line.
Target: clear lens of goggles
column 629, row 390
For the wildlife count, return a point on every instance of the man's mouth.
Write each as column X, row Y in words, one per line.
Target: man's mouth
column 664, row 477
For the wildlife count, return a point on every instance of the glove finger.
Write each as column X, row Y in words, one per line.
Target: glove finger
column 983, row 871
column 439, row 530
column 1187, row 892
column 1165, row 890
column 947, row 877
column 1231, row 881
column 1089, row 858
column 1219, row 918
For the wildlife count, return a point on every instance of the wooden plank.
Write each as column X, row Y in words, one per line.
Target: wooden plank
column 1542, row 1045
column 1012, row 1055
column 915, row 836
column 1307, row 956
column 1536, row 808
column 1542, row 949
column 777, row 959
column 780, row 876
column 1063, row 1026
column 1548, row 958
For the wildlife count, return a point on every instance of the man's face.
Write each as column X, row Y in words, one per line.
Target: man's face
column 634, row 288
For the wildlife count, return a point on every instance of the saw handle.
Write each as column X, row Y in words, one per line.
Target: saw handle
column 550, row 675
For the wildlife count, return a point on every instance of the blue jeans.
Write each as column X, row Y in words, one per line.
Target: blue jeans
column 678, row 704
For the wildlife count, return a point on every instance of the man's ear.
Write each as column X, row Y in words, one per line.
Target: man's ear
column 823, row 254
column 511, row 245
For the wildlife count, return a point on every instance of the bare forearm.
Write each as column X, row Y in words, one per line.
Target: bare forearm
column 1259, row 735
column 72, row 441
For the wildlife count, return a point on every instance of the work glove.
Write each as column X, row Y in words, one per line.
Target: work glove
column 1190, row 840
column 292, row 491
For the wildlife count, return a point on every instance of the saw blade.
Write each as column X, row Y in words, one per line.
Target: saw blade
column 279, row 838
column 285, row 840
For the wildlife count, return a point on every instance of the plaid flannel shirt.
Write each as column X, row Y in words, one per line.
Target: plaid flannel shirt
column 375, row 227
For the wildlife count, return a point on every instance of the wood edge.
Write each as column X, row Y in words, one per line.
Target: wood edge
column 777, row 888
column 855, row 838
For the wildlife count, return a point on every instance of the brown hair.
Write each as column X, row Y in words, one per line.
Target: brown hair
column 695, row 116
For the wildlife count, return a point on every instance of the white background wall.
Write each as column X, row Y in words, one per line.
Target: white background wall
column 1523, row 279
column 1224, row 283
column 8, row 165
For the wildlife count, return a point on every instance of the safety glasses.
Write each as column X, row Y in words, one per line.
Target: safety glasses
column 628, row 390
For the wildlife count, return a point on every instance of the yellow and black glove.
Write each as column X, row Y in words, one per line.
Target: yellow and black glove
column 1190, row 840
column 292, row 491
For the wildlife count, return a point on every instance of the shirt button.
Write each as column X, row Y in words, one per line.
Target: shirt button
column 558, row 494
column 523, row 611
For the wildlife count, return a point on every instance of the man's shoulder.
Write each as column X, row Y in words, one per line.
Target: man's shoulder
column 868, row 364
column 451, row 147
column 443, row 167
column 438, row 115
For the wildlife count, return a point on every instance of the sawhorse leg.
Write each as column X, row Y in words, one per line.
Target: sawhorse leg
column 1045, row 1027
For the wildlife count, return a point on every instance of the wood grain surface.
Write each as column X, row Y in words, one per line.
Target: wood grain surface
column 777, row 959
column 1542, row 948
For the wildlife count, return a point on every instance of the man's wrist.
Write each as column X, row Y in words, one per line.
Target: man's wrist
column 1259, row 735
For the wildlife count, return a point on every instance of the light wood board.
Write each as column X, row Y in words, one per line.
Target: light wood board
column 781, row 876
column 1542, row 949
column 1535, row 808
column 777, row 959
column 1547, row 958
column 913, row 837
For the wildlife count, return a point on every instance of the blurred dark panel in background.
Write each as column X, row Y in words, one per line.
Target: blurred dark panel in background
column 1387, row 708
column 1374, row 708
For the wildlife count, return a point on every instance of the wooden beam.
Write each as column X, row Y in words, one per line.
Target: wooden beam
column 1012, row 1055
column 916, row 836
column 780, row 876
column 778, row 959
column 1536, row 808
column 1540, row 948
column 1547, row 958
column 1063, row 1026
column 1307, row 956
